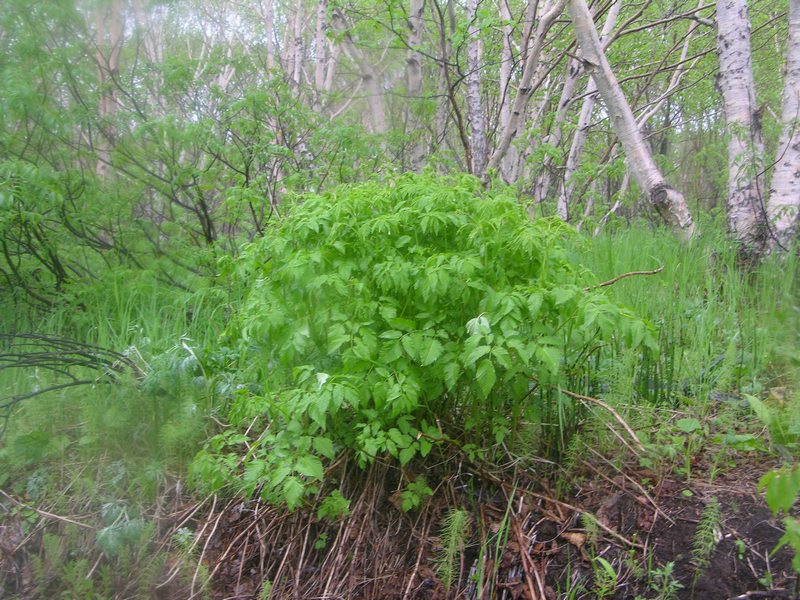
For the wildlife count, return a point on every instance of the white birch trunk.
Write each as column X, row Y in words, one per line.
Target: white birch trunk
column 474, row 107
column 575, row 151
column 526, row 89
column 319, row 49
column 414, row 78
column 670, row 203
column 269, row 32
column 574, row 72
column 784, row 195
column 744, row 202
column 368, row 75
column 508, row 164
column 297, row 45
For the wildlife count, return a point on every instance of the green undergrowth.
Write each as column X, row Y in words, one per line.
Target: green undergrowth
column 386, row 320
column 404, row 323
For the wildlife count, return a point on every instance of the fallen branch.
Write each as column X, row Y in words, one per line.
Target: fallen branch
column 623, row 276
column 614, row 413
column 44, row 513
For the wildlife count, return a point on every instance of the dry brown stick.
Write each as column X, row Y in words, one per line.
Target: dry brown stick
column 605, row 528
column 205, row 547
column 539, row 496
column 623, row 276
column 635, row 483
column 46, row 514
column 416, row 564
column 523, row 554
column 613, row 412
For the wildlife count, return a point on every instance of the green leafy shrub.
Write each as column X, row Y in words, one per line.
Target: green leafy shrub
column 782, row 491
column 386, row 319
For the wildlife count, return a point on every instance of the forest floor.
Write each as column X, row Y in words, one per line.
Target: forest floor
column 606, row 531
column 672, row 539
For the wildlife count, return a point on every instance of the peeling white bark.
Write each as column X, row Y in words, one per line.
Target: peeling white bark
column 783, row 208
column 474, row 106
column 368, row 75
column 744, row 202
column 670, row 203
column 414, row 76
column 526, row 89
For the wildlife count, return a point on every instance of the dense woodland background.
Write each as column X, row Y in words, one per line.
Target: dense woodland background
column 300, row 294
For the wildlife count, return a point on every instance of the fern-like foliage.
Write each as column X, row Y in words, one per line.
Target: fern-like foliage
column 707, row 535
column 374, row 311
column 456, row 529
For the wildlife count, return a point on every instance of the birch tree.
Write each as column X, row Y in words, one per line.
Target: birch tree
column 526, row 88
column 669, row 203
column 784, row 195
column 474, row 105
column 745, row 187
column 414, row 75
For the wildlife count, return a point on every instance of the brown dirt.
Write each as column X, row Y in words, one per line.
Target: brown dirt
column 531, row 545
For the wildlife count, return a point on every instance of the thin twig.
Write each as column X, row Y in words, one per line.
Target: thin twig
column 613, row 412
column 46, row 514
column 623, row 276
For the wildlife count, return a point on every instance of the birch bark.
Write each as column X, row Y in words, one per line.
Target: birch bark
column 574, row 72
column 414, row 77
column 474, row 107
column 744, row 204
column 784, row 195
column 670, row 203
column 368, row 75
column 525, row 90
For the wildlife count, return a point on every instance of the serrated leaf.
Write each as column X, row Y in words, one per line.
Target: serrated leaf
column 325, row 447
column 406, row 454
column 425, row 446
column 452, row 371
column 310, row 466
column 430, row 351
column 478, row 326
column 293, row 492
column 535, row 303
column 476, row 354
column 411, row 344
column 486, row 377
column 391, row 334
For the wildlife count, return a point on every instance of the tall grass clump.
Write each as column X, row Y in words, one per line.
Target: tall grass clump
column 723, row 328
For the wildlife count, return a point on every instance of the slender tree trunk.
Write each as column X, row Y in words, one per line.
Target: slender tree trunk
column 670, row 203
column 368, row 75
column 269, row 32
column 319, row 49
column 297, row 45
column 414, row 79
column 574, row 72
column 108, row 45
column 744, row 202
column 506, row 59
column 784, row 196
column 575, row 151
column 334, row 51
column 526, row 89
column 477, row 118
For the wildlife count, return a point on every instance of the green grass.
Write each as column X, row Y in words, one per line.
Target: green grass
column 722, row 333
